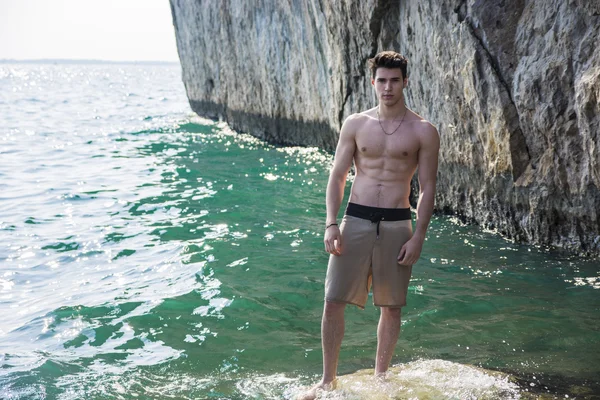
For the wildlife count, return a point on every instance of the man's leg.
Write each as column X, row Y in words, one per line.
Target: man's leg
column 332, row 333
column 387, row 336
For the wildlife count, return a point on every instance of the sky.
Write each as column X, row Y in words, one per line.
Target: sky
column 115, row 30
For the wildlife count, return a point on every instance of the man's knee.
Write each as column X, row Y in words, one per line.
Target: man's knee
column 392, row 313
column 333, row 308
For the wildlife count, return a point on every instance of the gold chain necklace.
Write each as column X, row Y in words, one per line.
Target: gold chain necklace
column 398, row 127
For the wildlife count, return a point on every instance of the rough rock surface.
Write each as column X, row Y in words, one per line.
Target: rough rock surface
column 513, row 87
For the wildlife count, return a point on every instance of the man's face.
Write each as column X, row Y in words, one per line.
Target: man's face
column 388, row 85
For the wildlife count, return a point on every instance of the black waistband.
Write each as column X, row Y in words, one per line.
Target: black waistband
column 376, row 214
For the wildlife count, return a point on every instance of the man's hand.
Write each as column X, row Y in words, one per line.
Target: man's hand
column 333, row 240
column 411, row 251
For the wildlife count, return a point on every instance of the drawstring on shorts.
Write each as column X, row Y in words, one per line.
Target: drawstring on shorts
column 376, row 216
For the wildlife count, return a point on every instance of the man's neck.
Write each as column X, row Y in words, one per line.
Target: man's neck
column 392, row 112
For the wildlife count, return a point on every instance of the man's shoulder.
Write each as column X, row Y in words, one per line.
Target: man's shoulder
column 370, row 113
column 422, row 126
column 354, row 121
column 427, row 128
column 361, row 116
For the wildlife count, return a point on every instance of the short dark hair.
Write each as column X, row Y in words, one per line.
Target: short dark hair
column 389, row 59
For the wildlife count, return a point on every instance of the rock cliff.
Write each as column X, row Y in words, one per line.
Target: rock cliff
column 513, row 87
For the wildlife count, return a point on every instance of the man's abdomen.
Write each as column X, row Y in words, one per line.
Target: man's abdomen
column 380, row 193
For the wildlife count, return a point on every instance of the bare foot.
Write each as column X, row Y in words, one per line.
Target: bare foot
column 381, row 376
column 313, row 392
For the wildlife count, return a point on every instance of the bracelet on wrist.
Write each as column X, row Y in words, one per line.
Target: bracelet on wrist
column 330, row 225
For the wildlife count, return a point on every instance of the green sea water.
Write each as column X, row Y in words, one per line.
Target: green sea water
column 151, row 254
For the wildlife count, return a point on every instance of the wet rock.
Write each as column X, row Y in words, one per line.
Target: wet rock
column 428, row 379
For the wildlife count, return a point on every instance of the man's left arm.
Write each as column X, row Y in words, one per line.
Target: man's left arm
column 428, row 165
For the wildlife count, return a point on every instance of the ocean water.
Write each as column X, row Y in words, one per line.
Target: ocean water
column 148, row 253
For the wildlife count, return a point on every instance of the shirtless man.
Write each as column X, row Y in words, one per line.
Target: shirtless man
column 374, row 243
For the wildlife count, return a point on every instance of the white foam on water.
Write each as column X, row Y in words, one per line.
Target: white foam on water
column 423, row 380
column 265, row 387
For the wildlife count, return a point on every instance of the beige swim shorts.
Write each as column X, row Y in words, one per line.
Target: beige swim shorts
column 369, row 258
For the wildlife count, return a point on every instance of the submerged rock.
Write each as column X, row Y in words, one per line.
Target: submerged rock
column 432, row 380
column 514, row 88
column 428, row 379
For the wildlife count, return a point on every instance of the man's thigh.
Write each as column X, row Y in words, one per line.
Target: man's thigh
column 390, row 279
column 348, row 277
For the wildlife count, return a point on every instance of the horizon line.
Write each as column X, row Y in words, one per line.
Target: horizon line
column 82, row 61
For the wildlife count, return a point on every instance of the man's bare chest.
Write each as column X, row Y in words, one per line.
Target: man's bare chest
column 373, row 143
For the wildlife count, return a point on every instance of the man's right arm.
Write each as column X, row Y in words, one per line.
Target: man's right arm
column 342, row 162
